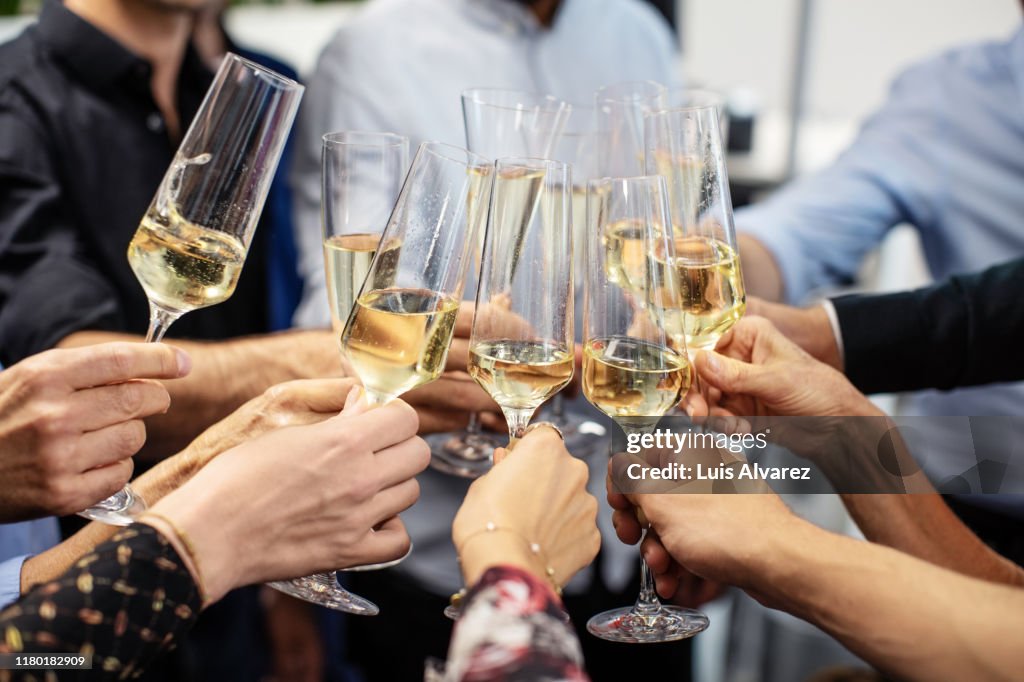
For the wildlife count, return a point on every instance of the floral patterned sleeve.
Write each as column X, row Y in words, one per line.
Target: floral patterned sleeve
column 124, row 604
column 513, row 628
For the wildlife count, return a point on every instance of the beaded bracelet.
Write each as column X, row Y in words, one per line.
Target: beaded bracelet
column 190, row 550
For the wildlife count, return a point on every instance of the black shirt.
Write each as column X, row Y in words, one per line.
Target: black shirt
column 83, row 149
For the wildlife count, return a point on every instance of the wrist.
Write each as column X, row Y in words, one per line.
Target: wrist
column 821, row 338
column 488, row 550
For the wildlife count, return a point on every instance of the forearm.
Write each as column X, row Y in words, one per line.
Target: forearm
column 924, row 527
column 761, row 275
column 224, row 375
column 907, row 617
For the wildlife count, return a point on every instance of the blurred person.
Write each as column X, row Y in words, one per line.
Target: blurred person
column 886, row 606
column 251, row 515
column 401, row 66
column 945, row 154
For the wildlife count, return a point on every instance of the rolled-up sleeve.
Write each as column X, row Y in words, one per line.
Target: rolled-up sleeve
column 48, row 287
column 819, row 228
column 10, row 579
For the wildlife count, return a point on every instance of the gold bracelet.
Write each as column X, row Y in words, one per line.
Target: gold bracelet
column 535, row 549
column 190, row 550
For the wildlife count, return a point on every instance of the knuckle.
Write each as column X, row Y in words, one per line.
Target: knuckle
column 129, row 398
column 120, row 359
column 130, row 437
column 49, row 420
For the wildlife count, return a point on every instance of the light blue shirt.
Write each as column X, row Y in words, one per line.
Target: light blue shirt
column 945, row 154
column 19, row 541
column 401, row 66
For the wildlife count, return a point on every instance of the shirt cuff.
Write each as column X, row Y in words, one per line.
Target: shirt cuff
column 10, row 580
column 837, row 331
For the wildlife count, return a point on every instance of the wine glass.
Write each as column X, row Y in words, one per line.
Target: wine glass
column 362, row 176
column 521, row 347
column 631, row 369
column 191, row 244
column 398, row 333
column 499, row 123
column 620, row 110
column 685, row 147
column 690, row 98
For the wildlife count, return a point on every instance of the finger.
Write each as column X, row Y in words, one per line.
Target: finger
column 100, row 483
column 464, row 320
column 317, row 395
column 387, row 543
column 102, row 406
column 110, row 444
column 492, row 422
column 383, row 426
column 667, row 584
column 626, row 526
column 657, row 557
column 616, row 499
column 733, row 376
column 500, row 454
column 110, row 363
column 453, row 391
column 402, row 461
column 441, row 421
column 458, row 355
column 393, row 501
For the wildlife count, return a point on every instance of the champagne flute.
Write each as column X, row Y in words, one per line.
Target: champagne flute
column 499, row 123
column 620, row 111
column 521, row 348
column 362, row 175
column 398, row 333
column 691, row 98
column 685, row 147
column 191, row 244
column 631, row 370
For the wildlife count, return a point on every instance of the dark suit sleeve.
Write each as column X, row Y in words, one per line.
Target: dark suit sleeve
column 964, row 331
column 49, row 288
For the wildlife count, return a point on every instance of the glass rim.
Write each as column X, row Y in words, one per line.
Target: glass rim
column 364, row 138
column 469, row 94
column 600, row 95
column 630, row 179
column 681, row 110
column 451, row 152
column 531, row 162
column 279, row 81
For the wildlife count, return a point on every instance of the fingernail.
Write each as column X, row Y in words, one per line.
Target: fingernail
column 184, row 362
column 688, row 409
column 712, row 363
column 353, row 397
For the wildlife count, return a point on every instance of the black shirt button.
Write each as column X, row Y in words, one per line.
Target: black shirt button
column 155, row 122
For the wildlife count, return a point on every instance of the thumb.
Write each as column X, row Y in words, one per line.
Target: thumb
column 733, row 376
column 500, row 454
column 355, row 403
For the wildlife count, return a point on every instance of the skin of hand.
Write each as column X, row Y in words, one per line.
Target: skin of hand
column 294, row 403
column 301, row 499
column 70, row 420
column 808, row 328
column 539, row 493
column 756, row 371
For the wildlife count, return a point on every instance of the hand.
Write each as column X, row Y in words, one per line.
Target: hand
column 302, row 499
column 709, row 536
column 70, row 420
column 808, row 328
column 756, row 371
column 538, row 492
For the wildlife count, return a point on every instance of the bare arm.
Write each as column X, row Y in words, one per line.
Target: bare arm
column 905, row 616
column 225, row 375
column 761, row 273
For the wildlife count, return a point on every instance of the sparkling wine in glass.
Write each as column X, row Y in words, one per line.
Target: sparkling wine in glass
column 685, row 147
column 499, row 123
column 632, row 370
column 192, row 241
column 398, row 333
column 361, row 178
column 521, row 348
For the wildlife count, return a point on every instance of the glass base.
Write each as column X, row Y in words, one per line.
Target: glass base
column 377, row 567
column 324, row 590
column 667, row 624
column 463, row 454
column 120, row 509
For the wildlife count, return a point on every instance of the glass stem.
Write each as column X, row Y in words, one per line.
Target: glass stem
column 160, row 320
column 474, row 427
column 647, row 604
column 518, row 419
column 374, row 398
